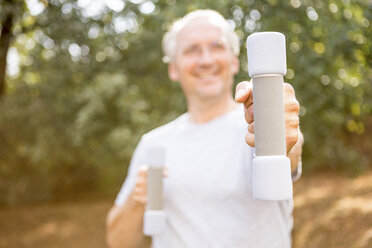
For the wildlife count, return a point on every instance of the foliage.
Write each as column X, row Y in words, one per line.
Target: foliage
column 91, row 83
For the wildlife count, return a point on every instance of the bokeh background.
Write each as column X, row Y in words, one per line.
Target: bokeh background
column 81, row 81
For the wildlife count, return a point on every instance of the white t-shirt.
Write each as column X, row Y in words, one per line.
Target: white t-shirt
column 208, row 194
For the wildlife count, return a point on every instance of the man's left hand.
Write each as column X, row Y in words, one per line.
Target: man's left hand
column 244, row 94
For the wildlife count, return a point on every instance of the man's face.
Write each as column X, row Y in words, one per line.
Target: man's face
column 204, row 63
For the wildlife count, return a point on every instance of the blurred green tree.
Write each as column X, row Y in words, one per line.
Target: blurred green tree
column 92, row 81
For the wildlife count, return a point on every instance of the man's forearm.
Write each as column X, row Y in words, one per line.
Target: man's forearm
column 125, row 224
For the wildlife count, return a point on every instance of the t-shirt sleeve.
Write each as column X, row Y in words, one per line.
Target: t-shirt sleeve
column 138, row 159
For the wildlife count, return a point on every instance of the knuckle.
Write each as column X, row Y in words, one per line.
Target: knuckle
column 289, row 88
column 143, row 169
column 293, row 106
column 241, row 85
column 249, row 139
column 251, row 128
column 293, row 122
column 140, row 192
column 136, row 192
column 291, row 140
column 140, row 199
column 296, row 105
column 292, row 137
column 140, row 183
column 249, row 115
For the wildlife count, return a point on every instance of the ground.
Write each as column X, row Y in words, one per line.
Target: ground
column 330, row 211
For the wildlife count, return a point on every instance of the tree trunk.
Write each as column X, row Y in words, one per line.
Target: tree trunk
column 6, row 35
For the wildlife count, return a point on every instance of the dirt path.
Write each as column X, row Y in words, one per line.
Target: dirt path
column 67, row 225
column 330, row 212
column 333, row 211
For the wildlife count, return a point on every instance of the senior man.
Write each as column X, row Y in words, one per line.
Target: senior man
column 207, row 190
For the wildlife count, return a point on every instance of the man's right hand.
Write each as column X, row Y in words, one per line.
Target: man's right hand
column 124, row 223
column 139, row 193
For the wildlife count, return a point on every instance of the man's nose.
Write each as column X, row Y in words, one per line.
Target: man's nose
column 206, row 57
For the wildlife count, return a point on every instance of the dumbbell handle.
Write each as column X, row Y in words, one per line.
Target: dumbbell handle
column 155, row 188
column 268, row 104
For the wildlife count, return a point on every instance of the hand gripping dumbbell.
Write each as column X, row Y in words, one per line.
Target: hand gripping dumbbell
column 271, row 169
column 154, row 219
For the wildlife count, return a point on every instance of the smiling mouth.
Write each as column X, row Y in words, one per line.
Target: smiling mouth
column 206, row 75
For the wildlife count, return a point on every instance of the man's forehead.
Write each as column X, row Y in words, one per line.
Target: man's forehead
column 200, row 28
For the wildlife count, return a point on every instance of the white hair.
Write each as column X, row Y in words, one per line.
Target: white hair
column 170, row 38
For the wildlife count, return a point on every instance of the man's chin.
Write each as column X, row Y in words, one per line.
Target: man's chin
column 210, row 93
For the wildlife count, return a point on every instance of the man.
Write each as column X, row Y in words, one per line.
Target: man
column 207, row 188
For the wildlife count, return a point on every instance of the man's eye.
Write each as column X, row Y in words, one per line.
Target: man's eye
column 218, row 45
column 191, row 50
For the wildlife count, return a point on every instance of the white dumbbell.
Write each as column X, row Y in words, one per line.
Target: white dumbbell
column 154, row 219
column 271, row 172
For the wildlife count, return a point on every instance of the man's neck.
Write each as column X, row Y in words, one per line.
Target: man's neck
column 205, row 110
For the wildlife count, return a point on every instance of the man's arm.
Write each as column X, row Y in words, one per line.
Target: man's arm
column 125, row 223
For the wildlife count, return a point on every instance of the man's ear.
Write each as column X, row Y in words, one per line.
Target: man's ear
column 172, row 72
column 235, row 65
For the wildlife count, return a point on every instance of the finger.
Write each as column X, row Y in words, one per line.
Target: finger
column 249, row 102
column 249, row 115
column 288, row 89
column 142, row 171
column 291, row 138
column 240, row 90
column 140, row 191
column 292, row 106
column 140, row 199
column 251, row 128
column 142, row 176
column 243, row 92
column 141, row 182
column 166, row 172
column 249, row 139
column 292, row 121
